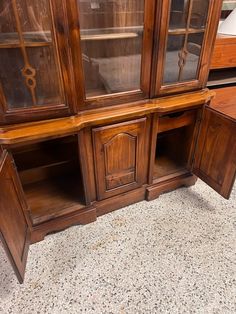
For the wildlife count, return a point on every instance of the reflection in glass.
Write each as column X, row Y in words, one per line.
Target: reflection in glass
column 29, row 71
column 194, row 47
column 182, row 9
column 199, row 14
column 111, row 40
column 174, row 46
column 179, row 13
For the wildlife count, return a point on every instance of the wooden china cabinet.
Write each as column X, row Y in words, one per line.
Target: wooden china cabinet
column 103, row 104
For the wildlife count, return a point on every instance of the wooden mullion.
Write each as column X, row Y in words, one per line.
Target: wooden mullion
column 183, row 54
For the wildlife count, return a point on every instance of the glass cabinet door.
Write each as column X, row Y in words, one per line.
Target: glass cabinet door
column 112, row 36
column 31, row 77
column 186, row 35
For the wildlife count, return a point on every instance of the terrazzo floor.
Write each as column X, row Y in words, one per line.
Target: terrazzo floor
column 176, row 254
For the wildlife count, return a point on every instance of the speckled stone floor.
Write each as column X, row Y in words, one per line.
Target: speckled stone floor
column 176, row 254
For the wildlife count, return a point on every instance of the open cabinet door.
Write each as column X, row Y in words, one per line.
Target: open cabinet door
column 215, row 155
column 14, row 229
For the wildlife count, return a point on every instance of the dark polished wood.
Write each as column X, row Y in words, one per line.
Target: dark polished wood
column 120, row 157
column 14, row 229
column 225, row 101
column 215, row 157
column 43, row 130
column 91, row 73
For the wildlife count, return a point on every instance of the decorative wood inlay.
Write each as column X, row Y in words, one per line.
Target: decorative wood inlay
column 28, row 71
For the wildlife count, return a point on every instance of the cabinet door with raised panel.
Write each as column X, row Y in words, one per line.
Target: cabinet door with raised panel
column 35, row 75
column 186, row 34
column 120, row 159
column 116, row 47
column 215, row 158
column 14, row 230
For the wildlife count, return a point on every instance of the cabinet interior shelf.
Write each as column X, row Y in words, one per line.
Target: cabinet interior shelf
column 51, row 177
column 15, row 44
column 108, row 36
column 182, row 31
column 53, row 198
column 111, row 33
column 31, row 39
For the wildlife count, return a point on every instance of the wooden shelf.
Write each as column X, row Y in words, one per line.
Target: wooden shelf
column 182, row 31
column 223, row 81
column 9, row 45
column 108, row 36
column 41, row 159
column 111, row 33
column 53, row 198
column 165, row 166
column 31, row 39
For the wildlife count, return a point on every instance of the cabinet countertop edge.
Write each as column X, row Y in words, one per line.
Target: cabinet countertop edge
column 46, row 129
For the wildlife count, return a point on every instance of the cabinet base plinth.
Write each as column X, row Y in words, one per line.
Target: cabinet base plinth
column 81, row 217
column 156, row 190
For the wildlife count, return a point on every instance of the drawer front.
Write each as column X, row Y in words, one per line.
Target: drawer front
column 119, row 155
column 176, row 120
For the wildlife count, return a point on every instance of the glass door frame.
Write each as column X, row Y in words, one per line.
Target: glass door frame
column 161, row 35
column 146, row 63
column 60, row 31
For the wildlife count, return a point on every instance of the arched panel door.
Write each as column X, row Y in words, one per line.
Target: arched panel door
column 120, row 159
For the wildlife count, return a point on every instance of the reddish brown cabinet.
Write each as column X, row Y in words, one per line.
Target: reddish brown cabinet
column 120, row 157
column 87, row 121
column 14, row 229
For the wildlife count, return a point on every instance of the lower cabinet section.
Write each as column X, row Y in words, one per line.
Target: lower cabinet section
column 175, row 136
column 51, row 177
column 50, row 185
column 120, row 157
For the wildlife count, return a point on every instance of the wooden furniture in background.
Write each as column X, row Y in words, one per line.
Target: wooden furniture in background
column 224, row 55
column 223, row 62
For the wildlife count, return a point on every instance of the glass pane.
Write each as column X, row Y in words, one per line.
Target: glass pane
column 179, row 13
column 185, row 37
column 174, row 46
column 180, row 10
column 199, row 14
column 29, row 67
column 192, row 58
column 182, row 64
column 111, row 39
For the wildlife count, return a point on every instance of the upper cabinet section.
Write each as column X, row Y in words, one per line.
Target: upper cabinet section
column 59, row 57
column 33, row 72
column 186, row 33
column 116, row 46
